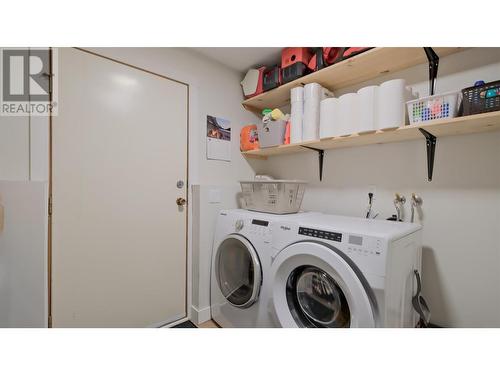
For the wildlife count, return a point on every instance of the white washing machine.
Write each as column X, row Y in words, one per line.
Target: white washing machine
column 335, row 271
column 241, row 260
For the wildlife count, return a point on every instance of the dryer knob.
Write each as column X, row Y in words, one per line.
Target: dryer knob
column 239, row 225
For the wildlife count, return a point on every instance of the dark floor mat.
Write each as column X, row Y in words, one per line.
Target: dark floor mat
column 186, row 324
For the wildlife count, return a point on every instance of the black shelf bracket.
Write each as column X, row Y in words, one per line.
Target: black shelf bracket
column 430, row 141
column 321, row 156
column 433, row 68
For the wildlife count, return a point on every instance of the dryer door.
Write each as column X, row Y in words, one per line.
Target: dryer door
column 238, row 271
column 315, row 285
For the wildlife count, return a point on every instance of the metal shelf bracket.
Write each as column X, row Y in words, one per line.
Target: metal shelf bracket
column 433, row 68
column 430, row 141
column 321, row 156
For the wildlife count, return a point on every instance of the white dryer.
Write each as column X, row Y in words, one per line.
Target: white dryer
column 241, row 260
column 335, row 271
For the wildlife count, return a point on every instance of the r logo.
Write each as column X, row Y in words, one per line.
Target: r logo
column 25, row 75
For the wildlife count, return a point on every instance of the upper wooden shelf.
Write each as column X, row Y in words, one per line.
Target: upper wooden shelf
column 461, row 125
column 363, row 67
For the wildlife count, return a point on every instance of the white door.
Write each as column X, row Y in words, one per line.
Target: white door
column 119, row 146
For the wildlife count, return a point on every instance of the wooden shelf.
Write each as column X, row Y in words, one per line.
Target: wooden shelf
column 461, row 125
column 363, row 67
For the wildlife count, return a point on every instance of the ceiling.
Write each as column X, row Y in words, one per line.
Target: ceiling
column 241, row 59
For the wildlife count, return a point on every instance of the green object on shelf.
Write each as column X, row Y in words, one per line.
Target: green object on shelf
column 265, row 111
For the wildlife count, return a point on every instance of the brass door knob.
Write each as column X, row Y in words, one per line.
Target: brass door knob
column 180, row 201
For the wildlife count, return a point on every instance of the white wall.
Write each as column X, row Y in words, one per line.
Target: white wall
column 23, row 255
column 14, row 148
column 461, row 210
column 23, row 241
column 24, row 148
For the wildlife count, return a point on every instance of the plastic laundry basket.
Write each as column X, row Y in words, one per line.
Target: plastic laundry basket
column 434, row 107
column 273, row 196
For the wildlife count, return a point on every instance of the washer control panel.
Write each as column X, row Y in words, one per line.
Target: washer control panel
column 323, row 234
column 259, row 227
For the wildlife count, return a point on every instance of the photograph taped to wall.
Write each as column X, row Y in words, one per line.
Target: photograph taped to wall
column 218, row 138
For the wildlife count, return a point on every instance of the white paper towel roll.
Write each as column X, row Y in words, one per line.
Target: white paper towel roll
column 327, row 123
column 391, row 103
column 313, row 94
column 312, row 90
column 297, row 113
column 297, row 94
column 367, row 104
column 348, row 116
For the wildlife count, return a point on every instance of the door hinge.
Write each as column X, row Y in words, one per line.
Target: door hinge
column 50, row 205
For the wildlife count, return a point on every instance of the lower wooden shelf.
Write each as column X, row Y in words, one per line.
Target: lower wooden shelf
column 439, row 128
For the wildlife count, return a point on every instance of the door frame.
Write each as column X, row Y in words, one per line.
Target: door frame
column 186, row 190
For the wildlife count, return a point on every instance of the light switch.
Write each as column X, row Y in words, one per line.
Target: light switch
column 214, row 196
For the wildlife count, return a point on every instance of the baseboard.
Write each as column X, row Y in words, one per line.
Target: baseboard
column 199, row 316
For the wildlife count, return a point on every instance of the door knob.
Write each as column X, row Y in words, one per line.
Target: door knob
column 180, row 202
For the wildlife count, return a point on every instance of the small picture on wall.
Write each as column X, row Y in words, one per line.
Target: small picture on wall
column 218, row 138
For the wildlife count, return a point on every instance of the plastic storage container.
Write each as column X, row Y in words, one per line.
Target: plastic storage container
column 271, row 133
column 273, row 196
column 434, row 107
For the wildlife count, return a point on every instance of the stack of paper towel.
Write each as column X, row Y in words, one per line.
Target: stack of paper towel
column 305, row 111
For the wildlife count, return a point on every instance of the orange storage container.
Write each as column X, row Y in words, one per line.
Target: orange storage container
column 249, row 140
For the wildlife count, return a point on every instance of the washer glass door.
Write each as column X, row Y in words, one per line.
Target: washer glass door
column 238, row 271
column 316, row 300
column 315, row 285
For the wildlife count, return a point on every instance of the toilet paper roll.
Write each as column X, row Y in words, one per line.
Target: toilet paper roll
column 348, row 116
column 296, row 117
column 391, row 104
column 297, row 94
column 367, row 102
column 327, row 123
column 296, row 114
column 313, row 93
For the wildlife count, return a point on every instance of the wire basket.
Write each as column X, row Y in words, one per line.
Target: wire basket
column 433, row 107
column 273, row 196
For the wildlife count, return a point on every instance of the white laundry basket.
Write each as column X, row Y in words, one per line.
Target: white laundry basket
column 273, row 196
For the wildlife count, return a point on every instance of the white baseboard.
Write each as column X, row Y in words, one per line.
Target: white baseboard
column 200, row 316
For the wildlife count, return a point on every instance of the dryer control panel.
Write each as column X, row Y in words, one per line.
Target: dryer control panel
column 316, row 233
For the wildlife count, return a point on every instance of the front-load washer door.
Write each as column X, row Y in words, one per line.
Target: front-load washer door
column 238, row 271
column 314, row 285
